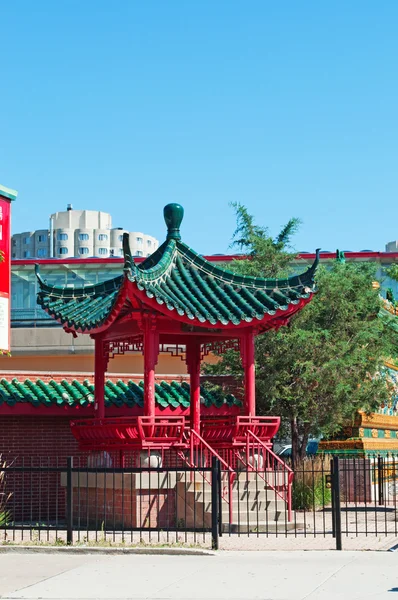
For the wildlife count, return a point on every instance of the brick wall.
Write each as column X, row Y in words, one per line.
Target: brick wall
column 30, row 442
column 124, row 509
column 37, row 438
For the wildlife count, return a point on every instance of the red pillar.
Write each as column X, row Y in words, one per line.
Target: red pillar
column 247, row 353
column 100, row 365
column 151, row 353
column 193, row 364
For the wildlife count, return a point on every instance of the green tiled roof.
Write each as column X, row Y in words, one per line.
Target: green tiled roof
column 121, row 394
column 184, row 286
column 84, row 308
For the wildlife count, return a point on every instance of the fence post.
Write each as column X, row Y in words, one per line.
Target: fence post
column 215, row 467
column 336, row 507
column 69, row 501
column 380, row 479
column 220, row 499
column 332, row 490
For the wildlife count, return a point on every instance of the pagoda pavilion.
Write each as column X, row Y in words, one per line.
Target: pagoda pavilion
column 175, row 301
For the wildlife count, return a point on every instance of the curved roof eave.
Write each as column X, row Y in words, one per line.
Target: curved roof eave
column 119, row 285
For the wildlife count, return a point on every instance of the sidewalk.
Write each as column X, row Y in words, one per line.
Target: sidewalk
column 227, row 575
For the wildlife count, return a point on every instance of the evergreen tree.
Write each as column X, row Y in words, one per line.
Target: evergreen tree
column 327, row 364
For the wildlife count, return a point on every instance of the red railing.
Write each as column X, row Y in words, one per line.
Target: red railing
column 261, row 459
column 200, row 455
column 233, row 430
column 128, row 432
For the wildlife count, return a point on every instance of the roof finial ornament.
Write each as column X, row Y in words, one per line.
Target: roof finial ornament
column 173, row 215
column 340, row 258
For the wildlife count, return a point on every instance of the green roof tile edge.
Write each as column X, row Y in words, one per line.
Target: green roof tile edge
column 77, row 292
column 72, row 392
column 8, row 193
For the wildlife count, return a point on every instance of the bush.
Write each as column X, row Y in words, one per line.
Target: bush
column 309, row 485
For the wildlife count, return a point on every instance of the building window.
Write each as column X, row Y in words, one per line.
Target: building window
column 63, row 250
column 149, row 254
column 149, row 243
column 139, row 240
column 83, row 237
column 120, row 238
column 121, row 251
column 14, row 243
column 13, row 255
column 42, row 252
column 83, row 250
column 138, row 253
column 102, row 250
column 26, row 254
column 102, row 237
column 26, row 240
column 62, row 237
column 41, row 238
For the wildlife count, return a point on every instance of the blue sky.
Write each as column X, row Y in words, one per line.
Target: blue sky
column 288, row 107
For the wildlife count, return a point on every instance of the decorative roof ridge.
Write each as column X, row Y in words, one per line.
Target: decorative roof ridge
column 75, row 292
column 154, row 266
column 305, row 279
column 308, row 276
column 128, row 259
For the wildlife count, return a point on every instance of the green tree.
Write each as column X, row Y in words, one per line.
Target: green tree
column 268, row 256
column 327, row 364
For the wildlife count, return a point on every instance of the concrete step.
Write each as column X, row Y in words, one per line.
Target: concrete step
column 238, row 486
column 254, row 516
column 261, row 527
column 251, row 507
column 241, row 496
column 244, row 498
column 241, row 476
column 270, row 477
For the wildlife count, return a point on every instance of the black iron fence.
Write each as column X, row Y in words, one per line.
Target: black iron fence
column 69, row 501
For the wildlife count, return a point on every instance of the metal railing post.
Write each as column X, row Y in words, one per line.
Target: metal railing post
column 215, row 466
column 331, row 482
column 380, row 479
column 69, row 501
column 220, row 499
column 336, row 507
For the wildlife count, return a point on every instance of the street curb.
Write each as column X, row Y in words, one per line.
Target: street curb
column 6, row 549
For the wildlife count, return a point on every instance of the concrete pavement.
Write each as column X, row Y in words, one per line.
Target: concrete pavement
column 228, row 575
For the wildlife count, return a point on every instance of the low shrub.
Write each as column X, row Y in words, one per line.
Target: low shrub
column 310, row 490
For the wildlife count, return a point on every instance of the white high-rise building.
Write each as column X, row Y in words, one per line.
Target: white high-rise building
column 80, row 234
column 392, row 246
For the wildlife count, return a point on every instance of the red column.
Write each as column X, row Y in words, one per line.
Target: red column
column 100, row 365
column 247, row 353
column 151, row 353
column 193, row 364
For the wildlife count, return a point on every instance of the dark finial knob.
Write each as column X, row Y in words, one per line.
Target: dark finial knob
column 173, row 215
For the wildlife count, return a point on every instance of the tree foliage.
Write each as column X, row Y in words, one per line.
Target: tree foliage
column 268, row 257
column 323, row 368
